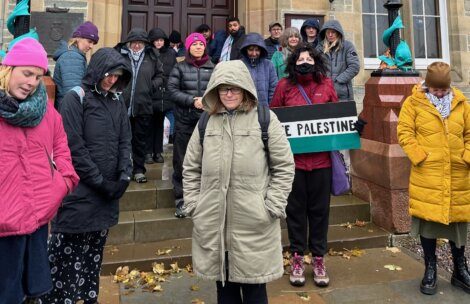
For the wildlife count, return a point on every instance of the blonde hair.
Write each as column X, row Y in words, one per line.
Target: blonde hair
column 332, row 46
column 73, row 42
column 5, row 74
column 289, row 32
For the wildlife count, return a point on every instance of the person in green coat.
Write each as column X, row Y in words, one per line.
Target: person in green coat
column 289, row 40
column 234, row 195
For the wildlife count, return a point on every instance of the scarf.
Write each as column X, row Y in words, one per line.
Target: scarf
column 442, row 104
column 30, row 111
column 226, row 49
column 136, row 55
column 196, row 62
column 286, row 52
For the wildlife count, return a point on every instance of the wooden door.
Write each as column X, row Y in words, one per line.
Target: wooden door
column 181, row 15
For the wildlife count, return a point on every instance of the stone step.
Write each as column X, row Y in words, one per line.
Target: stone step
column 154, row 225
column 142, row 255
column 151, row 195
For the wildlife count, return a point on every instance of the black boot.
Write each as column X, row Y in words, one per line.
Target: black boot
column 460, row 276
column 149, row 159
column 429, row 283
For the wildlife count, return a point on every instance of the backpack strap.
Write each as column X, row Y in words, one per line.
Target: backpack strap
column 80, row 92
column 202, row 124
column 264, row 117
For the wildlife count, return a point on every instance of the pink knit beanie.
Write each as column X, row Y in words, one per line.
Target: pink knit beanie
column 193, row 38
column 27, row 52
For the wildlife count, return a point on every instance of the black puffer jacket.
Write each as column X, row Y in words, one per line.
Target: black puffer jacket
column 149, row 77
column 161, row 97
column 99, row 137
column 186, row 82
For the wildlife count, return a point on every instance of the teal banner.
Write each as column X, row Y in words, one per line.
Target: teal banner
column 320, row 127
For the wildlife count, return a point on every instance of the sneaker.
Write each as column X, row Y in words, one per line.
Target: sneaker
column 158, row 158
column 297, row 277
column 320, row 276
column 179, row 209
column 148, row 159
column 140, row 178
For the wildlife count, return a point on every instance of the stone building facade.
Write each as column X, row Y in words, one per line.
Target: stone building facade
column 435, row 29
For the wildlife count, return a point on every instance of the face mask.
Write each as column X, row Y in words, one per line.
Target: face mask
column 254, row 61
column 304, row 68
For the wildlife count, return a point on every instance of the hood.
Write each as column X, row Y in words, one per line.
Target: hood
column 254, row 39
column 157, row 33
column 63, row 48
column 232, row 72
column 309, row 22
column 331, row 24
column 106, row 60
column 137, row 34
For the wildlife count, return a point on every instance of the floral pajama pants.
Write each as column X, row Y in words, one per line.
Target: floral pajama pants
column 75, row 261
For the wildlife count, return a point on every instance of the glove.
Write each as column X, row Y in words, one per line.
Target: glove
column 359, row 126
column 109, row 189
column 121, row 188
column 7, row 103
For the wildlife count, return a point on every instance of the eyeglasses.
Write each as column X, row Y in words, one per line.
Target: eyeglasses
column 234, row 91
column 276, row 29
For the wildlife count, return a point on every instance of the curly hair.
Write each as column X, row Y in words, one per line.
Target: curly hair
column 319, row 68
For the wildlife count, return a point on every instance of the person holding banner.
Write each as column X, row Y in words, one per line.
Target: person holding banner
column 309, row 202
column 434, row 132
column 236, row 190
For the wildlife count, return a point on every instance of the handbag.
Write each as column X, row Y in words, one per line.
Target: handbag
column 339, row 178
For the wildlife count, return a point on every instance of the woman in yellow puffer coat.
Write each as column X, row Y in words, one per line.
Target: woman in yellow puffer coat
column 434, row 131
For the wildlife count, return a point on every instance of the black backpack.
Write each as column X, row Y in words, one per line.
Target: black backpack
column 264, row 118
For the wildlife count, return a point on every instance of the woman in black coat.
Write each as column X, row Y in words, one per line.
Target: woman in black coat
column 99, row 136
column 161, row 99
column 187, row 84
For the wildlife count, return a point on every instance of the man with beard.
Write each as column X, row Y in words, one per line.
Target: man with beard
column 231, row 48
column 272, row 42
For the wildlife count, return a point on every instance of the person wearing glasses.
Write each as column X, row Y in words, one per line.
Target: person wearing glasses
column 434, row 131
column 187, row 83
column 235, row 191
column 272, row 42
column 147, row 78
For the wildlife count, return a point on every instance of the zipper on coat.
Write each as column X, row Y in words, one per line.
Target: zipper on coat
column 199, row 82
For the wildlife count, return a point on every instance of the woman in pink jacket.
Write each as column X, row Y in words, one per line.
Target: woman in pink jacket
column 36, row 172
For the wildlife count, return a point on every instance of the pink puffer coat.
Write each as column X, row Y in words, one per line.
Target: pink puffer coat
column 31, row 186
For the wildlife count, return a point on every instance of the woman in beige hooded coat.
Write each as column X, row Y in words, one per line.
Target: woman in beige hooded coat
column 235, row 198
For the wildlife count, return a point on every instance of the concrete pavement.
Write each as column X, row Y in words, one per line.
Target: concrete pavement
column 356, row 280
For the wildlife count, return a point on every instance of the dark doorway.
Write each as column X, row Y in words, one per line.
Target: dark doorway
column 181, row 15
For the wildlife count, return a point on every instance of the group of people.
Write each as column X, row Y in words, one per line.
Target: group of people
column 234, row 174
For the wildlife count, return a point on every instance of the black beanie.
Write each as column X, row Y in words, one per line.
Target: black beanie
column 175, row 37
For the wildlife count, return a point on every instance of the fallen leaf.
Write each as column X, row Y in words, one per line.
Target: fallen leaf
column 158, row 288
column 393, row 267
column 197, row 301
column 175, row 268
column 194, row 288
column 357, row 252
column 393, row 249
column 158, row 268
column 303, row 296
column 359, row 223
column 347, row 225
column 308, row 259
column 189, row 268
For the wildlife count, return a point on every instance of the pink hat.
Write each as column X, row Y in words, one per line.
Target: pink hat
column 193, row 38
column 27, row 52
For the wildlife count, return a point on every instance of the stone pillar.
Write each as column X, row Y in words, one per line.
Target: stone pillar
column 380, row 169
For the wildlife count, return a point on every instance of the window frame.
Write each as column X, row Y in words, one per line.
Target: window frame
column 371, row 63
column 419, row 63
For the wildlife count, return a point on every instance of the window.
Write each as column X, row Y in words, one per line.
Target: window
column 374, row 23
column 429, row 32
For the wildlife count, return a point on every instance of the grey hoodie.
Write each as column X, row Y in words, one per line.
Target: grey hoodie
column 343, row 63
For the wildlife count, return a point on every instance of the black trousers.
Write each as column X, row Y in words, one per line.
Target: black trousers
column 308, row 209
column 140, row 126
column 180, row 144
column 155, row 135
column 238, row 293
